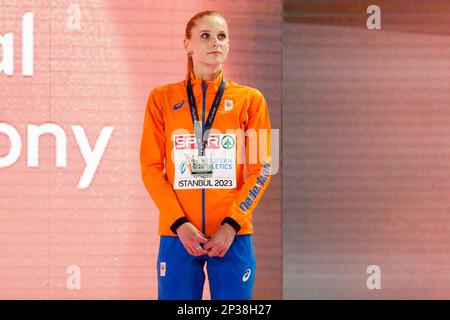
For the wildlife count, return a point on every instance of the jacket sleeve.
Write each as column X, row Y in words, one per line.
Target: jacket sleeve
column 258, row 174
column 152, row 154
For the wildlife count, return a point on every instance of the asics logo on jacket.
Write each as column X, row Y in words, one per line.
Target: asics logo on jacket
column 178, row 105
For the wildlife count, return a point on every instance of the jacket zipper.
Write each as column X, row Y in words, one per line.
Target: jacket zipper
column 204, row 89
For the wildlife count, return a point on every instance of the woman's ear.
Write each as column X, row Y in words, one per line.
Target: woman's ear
column 187, row 46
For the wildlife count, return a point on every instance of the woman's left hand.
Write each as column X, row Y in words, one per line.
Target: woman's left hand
column 220, row 241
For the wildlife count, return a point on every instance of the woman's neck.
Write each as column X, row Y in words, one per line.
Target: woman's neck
column 207, row 73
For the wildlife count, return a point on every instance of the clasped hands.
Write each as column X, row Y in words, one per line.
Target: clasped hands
column 215, row 246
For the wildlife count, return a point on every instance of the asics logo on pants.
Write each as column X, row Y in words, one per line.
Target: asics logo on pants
column 246, row 275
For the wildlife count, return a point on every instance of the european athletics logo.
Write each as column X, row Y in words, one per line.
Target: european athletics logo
column 183, row 167
column 185, row 164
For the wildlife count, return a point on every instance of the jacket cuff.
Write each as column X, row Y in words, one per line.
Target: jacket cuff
column 232, row 223
column 178, row 223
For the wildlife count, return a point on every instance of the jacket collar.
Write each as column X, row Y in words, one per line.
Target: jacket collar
column 213, row 85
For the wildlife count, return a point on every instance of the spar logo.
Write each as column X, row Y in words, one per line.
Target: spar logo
column 188, row 142
column 227, row 142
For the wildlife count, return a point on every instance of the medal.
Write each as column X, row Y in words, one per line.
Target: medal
column 201, row 167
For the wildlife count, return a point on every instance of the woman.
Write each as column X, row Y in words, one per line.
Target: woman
column 197, row 135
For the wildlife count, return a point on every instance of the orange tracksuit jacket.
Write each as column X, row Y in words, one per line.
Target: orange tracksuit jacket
column 168, row 110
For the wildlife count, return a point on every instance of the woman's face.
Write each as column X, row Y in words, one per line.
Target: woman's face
column 209, row 43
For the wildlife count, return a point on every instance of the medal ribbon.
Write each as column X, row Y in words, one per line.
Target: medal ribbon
column 201, row 134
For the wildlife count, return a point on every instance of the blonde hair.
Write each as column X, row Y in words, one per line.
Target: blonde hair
column 188, row 35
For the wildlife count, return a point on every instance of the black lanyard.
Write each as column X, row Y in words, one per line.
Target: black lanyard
column 201, row 134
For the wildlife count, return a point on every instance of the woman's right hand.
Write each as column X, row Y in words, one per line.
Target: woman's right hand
column 192, row 238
